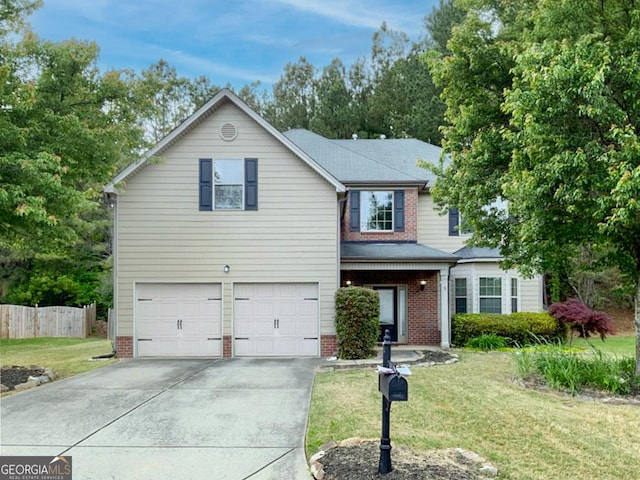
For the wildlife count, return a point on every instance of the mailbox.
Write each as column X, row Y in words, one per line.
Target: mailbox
column 394, row 387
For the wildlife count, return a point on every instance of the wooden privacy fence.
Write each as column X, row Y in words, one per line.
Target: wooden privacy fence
column 33, row 322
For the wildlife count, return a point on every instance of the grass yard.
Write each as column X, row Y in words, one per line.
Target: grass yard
column 616, row 344
column 473, row 404
column 65, row 356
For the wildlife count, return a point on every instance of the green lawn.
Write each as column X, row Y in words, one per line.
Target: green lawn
column 65, row 356
column 473, row 404
column 618, row 345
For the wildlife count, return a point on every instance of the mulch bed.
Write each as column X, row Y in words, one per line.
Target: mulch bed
column 12, row 376
column 360, row 462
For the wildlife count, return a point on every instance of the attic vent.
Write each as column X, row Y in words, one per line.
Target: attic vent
column 228, row 132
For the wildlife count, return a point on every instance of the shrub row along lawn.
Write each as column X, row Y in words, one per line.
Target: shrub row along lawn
column 65, row 356
column 473, row 404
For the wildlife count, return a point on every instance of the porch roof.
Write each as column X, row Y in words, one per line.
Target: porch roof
column 393, row 252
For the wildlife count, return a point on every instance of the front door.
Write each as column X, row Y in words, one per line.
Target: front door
column 388, row 311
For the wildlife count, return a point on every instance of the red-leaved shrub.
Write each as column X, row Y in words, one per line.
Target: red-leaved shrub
column 582, row 319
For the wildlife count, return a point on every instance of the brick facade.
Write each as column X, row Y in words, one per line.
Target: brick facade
column 422, row 305
column 226, row 346
column 410, row 233
column 328, row 345
column 124, row 347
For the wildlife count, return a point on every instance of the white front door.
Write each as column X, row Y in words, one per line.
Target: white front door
column 178, row 320
column 276, row 319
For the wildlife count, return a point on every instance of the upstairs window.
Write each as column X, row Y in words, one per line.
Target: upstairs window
column 228, row 184
column 376, row 211
column 490, row 295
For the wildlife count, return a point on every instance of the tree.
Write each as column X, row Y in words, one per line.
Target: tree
column 165, row 99
column 543, row 106
column 336, row 114
column 441, row 22
column 65, row 130
column 293, row 99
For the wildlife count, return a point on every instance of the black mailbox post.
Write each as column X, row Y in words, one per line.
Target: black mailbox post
column 394, row 388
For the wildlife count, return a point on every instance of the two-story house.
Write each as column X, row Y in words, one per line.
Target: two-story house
column 231, row 238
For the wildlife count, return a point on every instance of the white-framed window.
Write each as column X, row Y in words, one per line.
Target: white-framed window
column 490, row 295
column 514, row 295
column 228, row 184
column 460, row 292
column 376, row 211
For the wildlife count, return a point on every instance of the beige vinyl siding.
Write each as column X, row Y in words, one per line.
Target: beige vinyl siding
column 433, row 228
column 531, row 294
column 163, row 237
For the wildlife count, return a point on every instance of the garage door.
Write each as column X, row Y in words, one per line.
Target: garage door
column 178, row 320
column 276, row 319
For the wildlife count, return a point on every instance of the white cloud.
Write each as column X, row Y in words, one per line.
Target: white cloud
column 365, row 14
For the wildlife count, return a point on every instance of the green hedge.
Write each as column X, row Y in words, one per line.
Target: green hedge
column 357, row 327
column 522, row 328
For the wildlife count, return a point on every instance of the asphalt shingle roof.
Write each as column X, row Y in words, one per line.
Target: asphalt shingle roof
column 393, row 252
column 365, row 160
column 477, row 252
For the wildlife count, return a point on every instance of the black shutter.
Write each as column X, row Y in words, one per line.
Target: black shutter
column 454, row 222
column 398, row 211
column 206, row 184
column 251, row 184
column 354, row 211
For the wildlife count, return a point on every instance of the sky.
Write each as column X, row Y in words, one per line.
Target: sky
column 233, row 41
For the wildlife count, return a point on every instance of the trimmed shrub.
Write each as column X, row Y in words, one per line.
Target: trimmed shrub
column 487, row 342
column 522, row 328
column 582, row 319
column 357, row 326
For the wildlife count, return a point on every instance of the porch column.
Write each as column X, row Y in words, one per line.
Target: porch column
column 444, row 309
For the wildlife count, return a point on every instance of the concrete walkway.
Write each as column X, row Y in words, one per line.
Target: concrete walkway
column 225, row 419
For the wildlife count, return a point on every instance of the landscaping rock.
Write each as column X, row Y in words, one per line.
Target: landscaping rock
column 3, row 388
column 26, row 385
column 20, row 378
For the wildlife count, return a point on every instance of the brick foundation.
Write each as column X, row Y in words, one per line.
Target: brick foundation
column 124, row 347
column 226, row 346
column 328, row 345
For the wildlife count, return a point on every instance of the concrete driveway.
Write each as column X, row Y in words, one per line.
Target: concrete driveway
column 180, row 419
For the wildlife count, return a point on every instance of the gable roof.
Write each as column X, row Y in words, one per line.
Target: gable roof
column 223, row 96
column 369, row 161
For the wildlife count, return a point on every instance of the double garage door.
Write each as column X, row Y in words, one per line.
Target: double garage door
column 269, row 319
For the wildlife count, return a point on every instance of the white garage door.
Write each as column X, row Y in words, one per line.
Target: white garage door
column 276, row 319
column 178, row 320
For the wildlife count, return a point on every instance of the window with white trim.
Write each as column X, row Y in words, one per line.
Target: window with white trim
column 229, row 184
column 490, row 295
column 376, row 211
column 514, row 295
column 460, row 291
